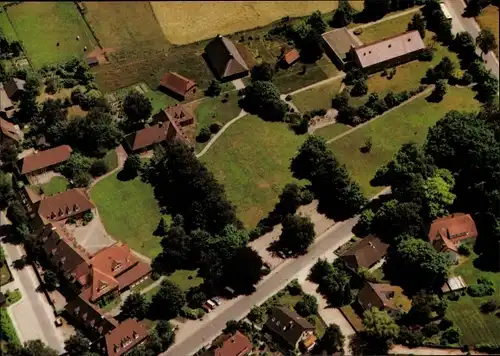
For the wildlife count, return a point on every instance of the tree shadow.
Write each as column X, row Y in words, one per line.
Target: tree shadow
column 125, row 175
column 433, row 98
column 20, row 263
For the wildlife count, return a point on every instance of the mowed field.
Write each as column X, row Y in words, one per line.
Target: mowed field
column 408, row 123
column 186, row 22
column 41, row 25
column 489, row 19
column 252, row 161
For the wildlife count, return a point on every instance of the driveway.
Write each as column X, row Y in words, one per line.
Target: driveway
column 93, row 236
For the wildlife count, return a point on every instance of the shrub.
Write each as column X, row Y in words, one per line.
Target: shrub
column 294, row 287
column 483, row 288
column 215, row 127
column 308, row 305
column 445, row 323
column 288, row 97
column 188, row 313
column 451, row 336
column 360, row 88
column 98, row 168
column 489, row 306
column 412, row 338
column 204, row 135
column 366, row 112
column 87, row 217
column 340, row 100
column 454, row 296
column 367, row 147
column 430, row 329
column 200, row 313
column 82, row 180
column 464, row 250
column 318, row 112
column 427, row 55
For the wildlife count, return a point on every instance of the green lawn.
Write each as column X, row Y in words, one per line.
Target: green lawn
column 389, row 132
column 8, row 333
column 185, row 279
column 489, row 19
column 41, row 25
column 5, row 276
column 56, row 185
column 386, row 29
column 319, row 97
column 6, row 27
column 129, row 211
column 111, row 159
column 252, row 161
column 160, row 100
column 476, row 327
column 214, row 110
column 332, row 130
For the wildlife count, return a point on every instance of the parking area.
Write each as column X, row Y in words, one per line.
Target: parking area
column 93, row 236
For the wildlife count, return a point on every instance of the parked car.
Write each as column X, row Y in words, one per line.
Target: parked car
column 58, row 322
column 216, row 300
column 211, row 304
column 206, row 308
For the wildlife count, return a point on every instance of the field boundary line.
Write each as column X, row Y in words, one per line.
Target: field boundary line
column 17, row 35
column 426, row 91
column 88, row 26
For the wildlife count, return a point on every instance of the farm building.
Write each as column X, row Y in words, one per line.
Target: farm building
column 9, row 131
column 290, row 57
column 338, row 44
column 44, row 160
column 178, row 86
column 454, row 284
column 224, row 59
column 143, row 139
column 390, row 51
column 14, row 88
column 178, row 113
column 92, row 61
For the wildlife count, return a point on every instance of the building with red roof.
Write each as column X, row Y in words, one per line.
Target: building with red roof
column 9, row 131
column 230, row 345
column 178, row 86
column 291, row 57
column 129, row 334
column 43, row 160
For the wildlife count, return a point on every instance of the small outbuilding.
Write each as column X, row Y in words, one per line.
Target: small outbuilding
column 454, row 284
column 290, row 57
column 178, row 86
column 92, row 61
column 338, row 44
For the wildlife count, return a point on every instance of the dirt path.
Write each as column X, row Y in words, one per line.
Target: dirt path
column 403, row 350
column 425, row 92
column 341, row 75
column 121, row 158
column 387, row 18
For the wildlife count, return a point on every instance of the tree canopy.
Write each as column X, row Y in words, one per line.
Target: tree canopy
column 486, row 41
column 379, row 325
column 297, row 234
column 332, row 340
column 137, row 107
column 168, row 301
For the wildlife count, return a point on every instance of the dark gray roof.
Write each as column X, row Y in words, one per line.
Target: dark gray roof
column 225, row 58
column 14, row 85
column 288, row 324
column 365, row 253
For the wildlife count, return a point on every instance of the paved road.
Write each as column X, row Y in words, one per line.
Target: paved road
column 33, row 316
column 469, row 24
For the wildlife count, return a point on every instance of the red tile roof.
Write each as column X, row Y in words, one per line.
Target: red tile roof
column 291, row 56
column 90, row 315
column 389, row 48
column 64, row 205
column 125, row 337
column 455, row 227
column 177, row 83
column 10, row 130
column 147, row 136
column 235, row 345
column 44, row 159
column 133, row 275
column 180, row 114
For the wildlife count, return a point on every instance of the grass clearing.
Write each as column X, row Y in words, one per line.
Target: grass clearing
column 386, row 29
column 252, row 161
column 41, row 25
column 111, row 159
column 489, row 19
column 6, row 27
column 185, row 279
column 186, row 22
column 13, row 296
column 160, row 100
column 407, row 123
column 331, row 131
column 56, row 185
column 8, row 334
column 317, row 97
column 476, row 327
column 129, row 212
column 5, row 276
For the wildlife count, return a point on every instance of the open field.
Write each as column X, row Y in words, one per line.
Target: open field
column 331, row 131
column 129, row 212
column 317, row 97
column 186, row 22
column 56, row 185
column 386, row 28
column 489, row 19
column 6, row 27
column 252, row 161
column 407, row 123
column 41, row 25
column 476, row 327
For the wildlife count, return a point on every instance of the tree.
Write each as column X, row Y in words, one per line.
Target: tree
column 297, row 234
column 28, row 108
column 451, row 336
column 261, row 93
column 343, row 15
column 75, row 165
column 336, row 287
column 135, row 306
column 290, row 199
column 417, row 23
column 30, row 348
column 332, row 340
column 379, row 325
column 439, row 90
column 132, row 165
column 487, row 88
column 165, row 331
column 98, row 168
column 214, row 88
column 82, row 180
column 486, row 41
column 423, row 307
column 360, row 88
column 176, row 248
column 9, row 152
column 137, row 107
column 77, row 345
column 393, row 219
column 415, row 257
column 376, row 9
column 262, row 72
column 438, row 195
column 464, row 44
column 17, row 214
column 243, row 270
column 341, row 100
column 474, row 7
column 257, row 314
column 308, row 305
column 364, row 225
column 2, row 256
column 50, row 280
column 167, row 302
column 311, row 46
column 6, row 190
column 232, row 327
column 315, row 20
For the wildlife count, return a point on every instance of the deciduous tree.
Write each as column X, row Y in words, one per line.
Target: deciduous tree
column 137, row 107
column 167, row 302
column 379, row 325
column 297, row 234
column 332, row 340
column 308, row 305
column 417, row 23
column 486, row 41
column 77, row 345
column 135, row 306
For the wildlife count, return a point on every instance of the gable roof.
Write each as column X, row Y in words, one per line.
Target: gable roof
column 125, row 337
column 455, row 227
column 44, row 159
column 225, row 58
column 5, row 102
column 389, row 48
column 10, row 130
column 233, row 345
column 179, row 114
column 365, row 253
column 64, row 205
column 14, row 85
column 90, row 315
column 288, row 324
column 147, row 136
column 382, row 295
column 340, row 41
column 291, row 56
column 177, row 83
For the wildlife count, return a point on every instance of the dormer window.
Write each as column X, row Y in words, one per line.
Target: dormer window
column 135, row 335
column 77, row 310
column 76, row 207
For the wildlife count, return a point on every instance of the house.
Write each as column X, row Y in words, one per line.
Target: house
column 454, row 284
column 384, row 297
column 42, row 161
column 143, row 139
column 179, row 114
column 6, row 105
column 290, row 57
column 90, row 317
column 72, row 203
column 338, row 44
column 123, row 338
column 230, row 345
column 290, row 327
column 389, row 51
column 14, row 87
column 180, row 87
column 365, row 253
column 92, row 61
column 9, row 131
column 224, row 59
column 447, row 233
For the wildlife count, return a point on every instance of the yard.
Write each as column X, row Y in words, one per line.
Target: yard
column 111, row 160
column 319, row 97
column 386, row 28
column 331, row 131
column 489, row 19
column 6, row 27
column 252, row 161
column 57, row 184
column 129, row 212
column 186, row 22
column 476, row 327
column 408, row 123
column 5, row 276
column 185, row 279
column 41, row 26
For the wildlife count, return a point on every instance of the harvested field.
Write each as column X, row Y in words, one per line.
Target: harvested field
column 187, row 22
